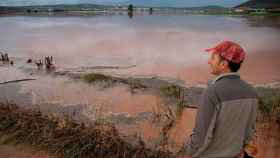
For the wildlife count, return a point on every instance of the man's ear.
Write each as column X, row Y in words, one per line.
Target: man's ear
column 225, row 64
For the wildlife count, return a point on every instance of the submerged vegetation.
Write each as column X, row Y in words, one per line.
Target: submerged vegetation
column 110, row 80
column 170, row 90
column 176, row 92
column 94, row 77
column 67, row 138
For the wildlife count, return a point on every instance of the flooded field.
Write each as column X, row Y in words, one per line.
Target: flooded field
column 152, row 50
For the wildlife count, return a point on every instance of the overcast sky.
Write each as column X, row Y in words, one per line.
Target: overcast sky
column 179, row 3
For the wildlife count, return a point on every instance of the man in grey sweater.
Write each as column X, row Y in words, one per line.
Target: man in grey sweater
column 225, row 120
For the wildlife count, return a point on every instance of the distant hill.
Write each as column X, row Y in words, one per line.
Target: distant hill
column 261, row 4
column 182, row 3
column 87, row 7
column 214, row 7
column 69, row 7
column 147, row 3
column 64, row 7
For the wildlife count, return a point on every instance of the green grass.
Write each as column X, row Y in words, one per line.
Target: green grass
column 269, row 104
column 269, row 110
column 170, row 90
column 178, row 93
column 94, row 77
column 180, row 108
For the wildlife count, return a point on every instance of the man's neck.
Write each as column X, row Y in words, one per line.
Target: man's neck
column 226, row 71
column 224, row 74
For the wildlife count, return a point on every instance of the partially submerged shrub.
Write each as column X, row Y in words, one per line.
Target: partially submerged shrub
column 94, row 77
column 180, row 107
column 170, row 90
column 178, row 93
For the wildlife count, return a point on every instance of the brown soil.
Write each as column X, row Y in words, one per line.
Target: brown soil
column 269, row 145
column 8, row 151
column 67, row 138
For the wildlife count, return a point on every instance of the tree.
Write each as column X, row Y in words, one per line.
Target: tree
column 151, row 11
column 130, row 11
column 130, row 8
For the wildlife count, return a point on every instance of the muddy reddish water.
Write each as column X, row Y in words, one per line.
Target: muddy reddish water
column 169, row 46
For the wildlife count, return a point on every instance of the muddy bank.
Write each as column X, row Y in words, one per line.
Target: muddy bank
column 172, row 132
column 21, row 151
column 268, row 144
column 66, row 138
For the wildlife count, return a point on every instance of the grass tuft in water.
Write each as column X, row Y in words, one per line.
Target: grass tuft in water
column 95, row 77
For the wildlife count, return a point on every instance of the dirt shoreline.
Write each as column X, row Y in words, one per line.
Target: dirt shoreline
column 21, row 151
column 267, row 143
column 67, row 138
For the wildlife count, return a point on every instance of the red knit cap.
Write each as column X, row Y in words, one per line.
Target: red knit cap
column 229, row 50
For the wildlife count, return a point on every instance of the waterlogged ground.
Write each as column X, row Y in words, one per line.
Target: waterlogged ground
column 168, row 48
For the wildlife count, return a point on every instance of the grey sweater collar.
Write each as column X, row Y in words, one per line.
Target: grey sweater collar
column 225, row 75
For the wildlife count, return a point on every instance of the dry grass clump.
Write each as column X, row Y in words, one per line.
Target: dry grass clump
column 67, row 138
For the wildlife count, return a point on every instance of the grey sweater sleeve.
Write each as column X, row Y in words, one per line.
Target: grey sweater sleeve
column 251, row 127
column 204, row 116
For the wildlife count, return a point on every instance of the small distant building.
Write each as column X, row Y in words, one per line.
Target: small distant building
column 85, row 9
column 257, row 11
column 241, row 10
column 250, row 10
column 258, row 7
